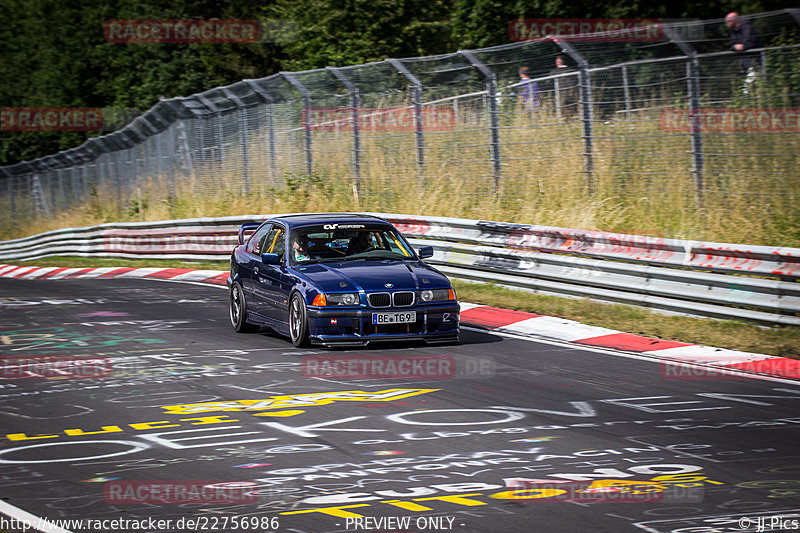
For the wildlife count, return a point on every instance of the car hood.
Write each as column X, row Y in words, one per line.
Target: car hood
column 373, row 276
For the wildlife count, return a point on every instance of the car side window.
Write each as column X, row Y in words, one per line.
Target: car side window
column 275, row 242
column 254, row 244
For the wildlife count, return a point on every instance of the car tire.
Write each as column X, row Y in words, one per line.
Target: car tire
column 238, row 310
column 298, row 321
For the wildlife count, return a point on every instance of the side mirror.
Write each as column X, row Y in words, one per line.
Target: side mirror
column 426, row 251
column 270, row 259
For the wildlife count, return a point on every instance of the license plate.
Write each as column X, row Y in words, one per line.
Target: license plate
column 394, row 318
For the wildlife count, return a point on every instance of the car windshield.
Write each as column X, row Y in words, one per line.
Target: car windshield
column 317, row 244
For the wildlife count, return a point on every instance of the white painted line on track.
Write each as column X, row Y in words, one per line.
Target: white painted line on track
column 30, row 521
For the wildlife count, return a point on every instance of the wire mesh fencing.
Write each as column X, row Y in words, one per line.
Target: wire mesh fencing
column 664, row 125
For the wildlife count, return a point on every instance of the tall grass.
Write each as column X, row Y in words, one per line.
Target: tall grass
column 641, row 182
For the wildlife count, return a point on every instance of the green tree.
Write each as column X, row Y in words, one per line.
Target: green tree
column 336, row 33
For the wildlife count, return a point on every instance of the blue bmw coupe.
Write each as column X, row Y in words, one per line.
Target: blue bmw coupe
column 338, row 280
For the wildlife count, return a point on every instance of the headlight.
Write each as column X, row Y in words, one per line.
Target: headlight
column 344, row 298
column 437, row 295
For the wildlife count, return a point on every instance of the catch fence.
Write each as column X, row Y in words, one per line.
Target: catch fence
column 665, row 125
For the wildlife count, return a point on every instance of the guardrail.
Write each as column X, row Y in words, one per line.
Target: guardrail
column 719, row 280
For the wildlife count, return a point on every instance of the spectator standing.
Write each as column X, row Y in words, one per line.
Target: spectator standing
column 565, row 89
column 529, row 91
column 744, row 38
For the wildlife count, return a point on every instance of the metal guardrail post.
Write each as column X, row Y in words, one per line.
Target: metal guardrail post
column 417, row 101
column 270, row 126
column 355, row 104
column 586, row 110
column 241, row 109
column 307, row 126
column 695, row 117
column 494, row 121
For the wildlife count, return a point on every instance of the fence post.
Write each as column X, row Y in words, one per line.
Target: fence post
column 215, row 114
column 417, row 100
column 494, row 121
column 270, row 126
column 585, row 91
column 557, row 97
column 52, row 173
column 273, row 161
column 627, row 90
column 83, row 178
column 245, row 141
column 241, row 109
column 100, row 172
column 113, row 145
column 184, row 150
column 71, row 197
column 13, row 208
column 39, row 201
column 355, row 104
column 307, row 126
column 62, row 192
column 695, row 117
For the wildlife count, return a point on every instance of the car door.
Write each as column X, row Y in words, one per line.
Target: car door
column 250, row 262
column 267, row 278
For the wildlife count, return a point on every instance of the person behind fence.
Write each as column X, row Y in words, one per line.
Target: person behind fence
column 529, row 90
column 744, row 38
column 566, row 97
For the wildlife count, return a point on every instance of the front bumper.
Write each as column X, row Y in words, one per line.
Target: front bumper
column 353, row 327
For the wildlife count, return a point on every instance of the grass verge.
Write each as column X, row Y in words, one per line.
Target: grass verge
column 781, row 341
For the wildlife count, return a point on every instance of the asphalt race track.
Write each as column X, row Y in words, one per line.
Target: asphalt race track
column 128, row 399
